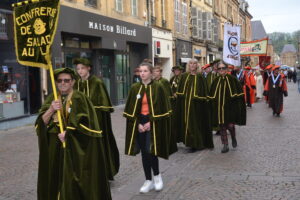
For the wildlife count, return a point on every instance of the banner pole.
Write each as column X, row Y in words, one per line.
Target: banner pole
column 56, row 98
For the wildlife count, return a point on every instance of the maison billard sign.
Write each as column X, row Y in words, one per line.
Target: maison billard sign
column 118, row 29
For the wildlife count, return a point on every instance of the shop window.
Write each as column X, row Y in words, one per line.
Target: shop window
column 119, row 5
column 3, row 26
column 72, row 42
column 91, row 3
column 13, row 92
column 84, row 44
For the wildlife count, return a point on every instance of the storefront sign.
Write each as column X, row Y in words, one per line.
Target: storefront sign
column 118, row 29
column 197, row 51
column 5, row 69
column 254, row 48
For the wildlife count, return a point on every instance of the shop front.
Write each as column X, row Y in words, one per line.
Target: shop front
column 199, row 53
column 183, row 52
column 162, row 50
column 114, row 47
column 20, row 90
column 212, row 53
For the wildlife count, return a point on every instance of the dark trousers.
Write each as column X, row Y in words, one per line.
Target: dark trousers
column 223, row 132
column 149, row 161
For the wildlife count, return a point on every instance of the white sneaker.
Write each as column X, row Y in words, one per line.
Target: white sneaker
column 158, row 183
column 148, row 185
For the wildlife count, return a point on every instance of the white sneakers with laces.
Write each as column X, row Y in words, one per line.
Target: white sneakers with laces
column 158, row 183
column 147, row 186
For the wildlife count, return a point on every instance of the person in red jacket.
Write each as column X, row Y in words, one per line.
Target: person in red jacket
column 249, row 87
column 275, row 89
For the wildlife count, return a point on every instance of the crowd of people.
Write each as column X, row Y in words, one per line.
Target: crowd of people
column 79, row 162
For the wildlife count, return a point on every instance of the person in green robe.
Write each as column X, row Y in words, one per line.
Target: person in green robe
column 157, row 76
column 193, row 111
column 208, row 75
column 174, row 81
column 227, row 105
column 96, row 91
column 148, row 125
column 177, row 70
column 75, row 170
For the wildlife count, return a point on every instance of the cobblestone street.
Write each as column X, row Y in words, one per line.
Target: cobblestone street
column 264, row 166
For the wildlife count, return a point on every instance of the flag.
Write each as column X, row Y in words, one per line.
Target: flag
column 35, row 25
column 254, row 48
column 231, row 45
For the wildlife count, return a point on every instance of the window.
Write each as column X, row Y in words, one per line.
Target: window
column 3, row 26
column 119, row 5
column 177, row 16
column 134, row 8
column 91, row 3
column 184, row 19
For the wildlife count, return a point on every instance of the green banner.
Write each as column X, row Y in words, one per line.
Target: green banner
column 35, row 25
column 254, row 48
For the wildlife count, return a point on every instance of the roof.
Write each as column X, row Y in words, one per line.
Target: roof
column 289, row 48
column 258, row 30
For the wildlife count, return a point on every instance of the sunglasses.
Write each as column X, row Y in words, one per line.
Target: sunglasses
column 63, row 80
column 222, row 68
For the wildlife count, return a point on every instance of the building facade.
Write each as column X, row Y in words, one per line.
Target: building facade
column 288, row 55
column 114, row 46
column 162, row 39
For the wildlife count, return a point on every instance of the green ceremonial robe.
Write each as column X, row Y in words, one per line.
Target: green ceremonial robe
column 227, row 101
column 192, row 112
column 210, row 78
column 77, row 171
column 173, row 136
column 95, row 89
column 159, row 114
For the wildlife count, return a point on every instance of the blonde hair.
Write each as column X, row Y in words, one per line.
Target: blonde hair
column 149, row 65
column 190, row 61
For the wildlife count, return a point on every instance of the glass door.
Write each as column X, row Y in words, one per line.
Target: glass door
column 123, row 76
column 105, row 71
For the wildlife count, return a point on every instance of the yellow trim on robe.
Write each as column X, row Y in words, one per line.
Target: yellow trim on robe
column 223, row 117
column 195, row 88
column 154, row 138
column 132, row 136
column 103, row 107
column 132, row 115
column 184, row 85
column 187, row 116
column 153, row 114
column 94, row 131
column 71, row 128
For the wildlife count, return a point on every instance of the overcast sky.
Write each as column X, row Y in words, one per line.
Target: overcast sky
column 276, row 15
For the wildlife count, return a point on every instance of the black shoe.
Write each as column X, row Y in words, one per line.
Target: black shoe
column 234, row 142
column 277, row 114
column 274, row 113
column 225, row 148
column 192, row 150
column 218, row 133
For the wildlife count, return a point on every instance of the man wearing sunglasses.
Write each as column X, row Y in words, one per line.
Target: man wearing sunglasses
column 75, row 170
column 227, row 105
